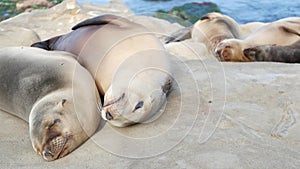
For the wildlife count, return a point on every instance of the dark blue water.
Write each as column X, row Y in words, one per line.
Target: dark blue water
column 242, row 11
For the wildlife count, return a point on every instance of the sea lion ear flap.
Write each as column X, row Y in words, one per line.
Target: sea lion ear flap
column 100, row 20
column 167, row 86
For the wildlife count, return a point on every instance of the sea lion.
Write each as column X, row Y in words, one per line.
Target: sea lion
column 275, row 53
column 129, row 64
column 54, row 94
column 210, row 30
column 282, row 32
column 248, row 28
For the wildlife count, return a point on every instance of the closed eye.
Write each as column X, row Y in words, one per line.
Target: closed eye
column 140, row 104
column 54, row 122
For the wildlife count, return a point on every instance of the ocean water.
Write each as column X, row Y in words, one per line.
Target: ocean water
column 242, row 11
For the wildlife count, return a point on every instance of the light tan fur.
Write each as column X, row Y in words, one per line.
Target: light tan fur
column 282, row 32
column 213, row 28
column 54, row 94
column 128, row 62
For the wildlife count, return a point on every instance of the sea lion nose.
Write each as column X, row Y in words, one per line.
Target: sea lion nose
column 108, row 116
column 218, row 53
column 47, row 154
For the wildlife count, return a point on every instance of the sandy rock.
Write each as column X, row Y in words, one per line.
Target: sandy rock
column 17, row 36
column 257, row 124
column 51, row 22
column 160, row 27
column 188, row 49
column 62, row 17
column 117, row 7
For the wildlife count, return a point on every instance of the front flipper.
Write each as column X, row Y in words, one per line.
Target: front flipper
column 179, row 35
column 102, row 20
column 47, row 44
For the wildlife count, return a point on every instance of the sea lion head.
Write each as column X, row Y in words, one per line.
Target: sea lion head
column 214, row 27
column 230, row 50
column 55, row 128
column 129, row 106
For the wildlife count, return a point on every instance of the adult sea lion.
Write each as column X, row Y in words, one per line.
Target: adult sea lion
column 275, row 53
column 211, row 29
column 54, row 94
column 129, row 64
column 282, row 32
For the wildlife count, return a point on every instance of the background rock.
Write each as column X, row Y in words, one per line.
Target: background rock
column 187, row 14
column 17, row 36
column 61, row 18
column 10, row 8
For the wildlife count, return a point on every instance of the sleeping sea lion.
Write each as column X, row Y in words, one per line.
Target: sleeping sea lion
column 54, row 94
column 130, row 66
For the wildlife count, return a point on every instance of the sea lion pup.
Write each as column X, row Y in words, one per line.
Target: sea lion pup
column 54, row 94
column 282, row 32
column 129, row 64
column 210, row 30
column 275, row 53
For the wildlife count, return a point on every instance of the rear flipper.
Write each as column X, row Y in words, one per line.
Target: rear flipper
column 179, row 35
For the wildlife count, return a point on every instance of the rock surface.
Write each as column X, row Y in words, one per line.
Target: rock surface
column 17, row 36
column 10, row 8
column 188, row 13
column 218, row 115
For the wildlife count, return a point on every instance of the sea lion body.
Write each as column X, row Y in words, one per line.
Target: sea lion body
column 275, row 53
column 42, row 90
column 282, row 32
column 210, row 30
column 249, row 28
column 109, row 46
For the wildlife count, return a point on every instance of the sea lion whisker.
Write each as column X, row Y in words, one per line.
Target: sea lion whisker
column 63, row 147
